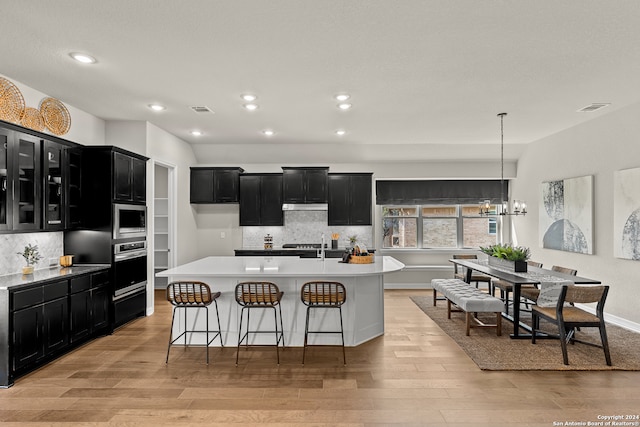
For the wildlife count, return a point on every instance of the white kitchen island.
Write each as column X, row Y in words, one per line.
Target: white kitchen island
column 363, row 311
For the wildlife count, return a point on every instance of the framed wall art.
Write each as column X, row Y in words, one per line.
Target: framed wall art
column 626, row 214
column 566, row 215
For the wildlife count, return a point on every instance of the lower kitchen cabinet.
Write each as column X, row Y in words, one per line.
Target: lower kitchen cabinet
column 45, row 320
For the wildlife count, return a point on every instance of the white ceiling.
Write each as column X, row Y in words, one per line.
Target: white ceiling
column 426, row 77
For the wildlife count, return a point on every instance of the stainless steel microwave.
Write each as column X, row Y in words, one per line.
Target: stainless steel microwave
column 129, row 221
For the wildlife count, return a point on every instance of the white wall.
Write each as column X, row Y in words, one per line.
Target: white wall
column 127, row 134
column 598, row 147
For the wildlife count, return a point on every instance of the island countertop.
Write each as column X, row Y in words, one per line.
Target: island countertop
column 281, row 267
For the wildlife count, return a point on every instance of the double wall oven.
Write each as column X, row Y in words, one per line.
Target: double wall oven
column 130, row 280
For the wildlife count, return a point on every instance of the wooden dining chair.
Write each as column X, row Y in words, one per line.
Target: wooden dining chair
column 506, row 287
column 531, row 292
column 568, row 317
column 460, row 272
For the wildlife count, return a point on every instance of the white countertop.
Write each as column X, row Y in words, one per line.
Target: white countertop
column 281, row 267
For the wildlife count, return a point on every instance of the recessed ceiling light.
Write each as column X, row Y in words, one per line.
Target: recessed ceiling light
column 251, row 107
column 344, row 106
column 268, row 132
column 157, row 107
column 83, row 57
column 341, row 132
column 196, row 133
column 342, row 97
column 248, row 97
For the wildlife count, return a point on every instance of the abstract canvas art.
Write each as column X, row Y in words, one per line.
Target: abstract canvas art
column 626, row 214
column 566, row 215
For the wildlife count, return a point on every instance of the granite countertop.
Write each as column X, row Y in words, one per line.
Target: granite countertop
column 47, row 274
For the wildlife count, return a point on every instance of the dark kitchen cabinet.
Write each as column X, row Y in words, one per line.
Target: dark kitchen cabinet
column 261, row 200
column 350, row 199
column 40, row 322
column 304, row 185
column 35, row 180
column 6, row 180
column 129, row 178
column 26, row 182
column 54, row 186
column 88, row 305
column 73, row 188
column 215, row 184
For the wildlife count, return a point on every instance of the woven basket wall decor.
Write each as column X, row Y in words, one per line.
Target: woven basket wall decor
column 56, row 116
column 11, row 102
column 32, row 119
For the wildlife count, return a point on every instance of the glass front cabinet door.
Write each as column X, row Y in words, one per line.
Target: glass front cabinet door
column 53, row 186
column 6, row 216
column 26, row 208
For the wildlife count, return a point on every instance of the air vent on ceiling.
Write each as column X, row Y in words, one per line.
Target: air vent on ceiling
column 593, row 107
column 202, row 109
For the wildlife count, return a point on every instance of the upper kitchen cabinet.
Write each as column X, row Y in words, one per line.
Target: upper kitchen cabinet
column 350, row 199
column 73, row 187
column 26, row 182
column 129, row 178
column 215, row 184
column 261, row 199
column 54, row 183
column 304, row 185
column 6, row 180
column 39, row 181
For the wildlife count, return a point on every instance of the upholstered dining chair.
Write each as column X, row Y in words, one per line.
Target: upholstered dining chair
column 531, row 292
column 460, row 272
column 568, row 317
column 506, row 288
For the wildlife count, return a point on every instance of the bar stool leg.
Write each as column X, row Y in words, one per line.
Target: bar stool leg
column 275, row 324
column 219, row 327
column 281, row 327
column 306, row 333
column 173, row 316
column 206, row 343
column 239, row 333
column 344, row 355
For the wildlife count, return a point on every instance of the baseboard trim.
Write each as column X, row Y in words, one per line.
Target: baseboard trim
column 614, row 320
column 407, row 286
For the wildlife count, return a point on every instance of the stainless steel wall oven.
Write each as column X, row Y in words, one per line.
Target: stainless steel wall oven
column 130, row 280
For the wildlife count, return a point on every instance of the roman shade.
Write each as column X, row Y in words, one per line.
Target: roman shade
column 438, row 192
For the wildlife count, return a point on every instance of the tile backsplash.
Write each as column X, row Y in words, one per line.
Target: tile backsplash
column 50, row 245
column 306, row 227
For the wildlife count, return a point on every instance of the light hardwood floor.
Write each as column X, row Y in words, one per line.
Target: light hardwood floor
column 413, row 375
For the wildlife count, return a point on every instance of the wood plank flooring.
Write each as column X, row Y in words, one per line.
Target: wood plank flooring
column 413, row 375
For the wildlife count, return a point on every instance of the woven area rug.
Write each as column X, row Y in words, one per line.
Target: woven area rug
column 494, row 353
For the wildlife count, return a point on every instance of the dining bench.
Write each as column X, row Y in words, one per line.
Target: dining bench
column 469, row 300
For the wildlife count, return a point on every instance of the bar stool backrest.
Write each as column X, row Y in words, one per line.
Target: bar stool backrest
column 258, row 294
column 189, row 294
column 323, row 294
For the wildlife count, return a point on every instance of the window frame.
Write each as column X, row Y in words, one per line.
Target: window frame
column 494, row 216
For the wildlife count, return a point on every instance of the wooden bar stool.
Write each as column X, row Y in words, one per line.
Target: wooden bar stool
column 190, row 295
column 320, row 294
column 252, row 295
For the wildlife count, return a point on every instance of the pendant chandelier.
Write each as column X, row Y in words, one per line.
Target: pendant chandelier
column 519, row 206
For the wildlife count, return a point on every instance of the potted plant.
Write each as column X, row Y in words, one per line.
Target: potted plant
column 352, row 241
column 508, row 256
column 31, row 256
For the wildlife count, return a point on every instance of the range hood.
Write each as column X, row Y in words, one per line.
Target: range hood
column 305, row 207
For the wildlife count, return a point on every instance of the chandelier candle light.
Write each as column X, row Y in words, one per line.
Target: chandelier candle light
column 519, row 206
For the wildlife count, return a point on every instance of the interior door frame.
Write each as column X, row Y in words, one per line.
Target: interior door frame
column 172, row 187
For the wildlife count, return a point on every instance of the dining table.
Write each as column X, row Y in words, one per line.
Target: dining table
column 533, row 276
